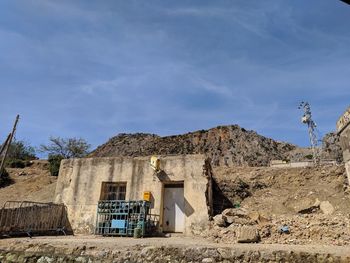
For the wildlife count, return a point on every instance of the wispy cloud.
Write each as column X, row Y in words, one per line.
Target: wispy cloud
column 171, row 66
column 204, row 84
column 100, row 86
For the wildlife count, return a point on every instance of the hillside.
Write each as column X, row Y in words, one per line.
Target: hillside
column 32, row 183
column 225, row 145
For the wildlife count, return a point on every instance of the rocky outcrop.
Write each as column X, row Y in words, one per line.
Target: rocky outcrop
column 225, row 145
column 331, row 148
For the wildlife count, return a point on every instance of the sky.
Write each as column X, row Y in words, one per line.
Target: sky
column 93, row 69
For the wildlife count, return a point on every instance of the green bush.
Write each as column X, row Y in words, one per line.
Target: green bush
column 309, row 156
column 17, row 163
column 54, row 163
column 21, row 150
column 5, row 179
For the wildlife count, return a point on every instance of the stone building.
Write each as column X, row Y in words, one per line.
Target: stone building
column 343, row 129
column 181, row 190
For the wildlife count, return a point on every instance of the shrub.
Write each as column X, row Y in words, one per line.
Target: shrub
column 15, row 163
column 54, row 163
column 5, row 179
column 20, row 150
column 309, row 156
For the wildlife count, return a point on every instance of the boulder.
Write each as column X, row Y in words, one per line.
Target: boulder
column 306, row 206
column 258, row 218
column 219, row 220
column 327, row 208
column 231, row 215
column 247, row 234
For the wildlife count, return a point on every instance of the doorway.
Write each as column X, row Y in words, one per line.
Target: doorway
column 174, row 208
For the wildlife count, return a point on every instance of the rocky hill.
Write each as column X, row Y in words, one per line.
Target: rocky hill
column 225, row 145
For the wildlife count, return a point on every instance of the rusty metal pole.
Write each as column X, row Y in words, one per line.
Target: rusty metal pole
column 8, row 144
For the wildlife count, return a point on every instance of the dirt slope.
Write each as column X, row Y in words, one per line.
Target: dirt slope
column 225, row 145
column 283, row 191
column 32, row 183
column 312, row 202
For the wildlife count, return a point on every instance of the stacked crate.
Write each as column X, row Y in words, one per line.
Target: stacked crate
column 120, row 218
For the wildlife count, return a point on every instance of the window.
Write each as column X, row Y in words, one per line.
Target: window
column 113, row 191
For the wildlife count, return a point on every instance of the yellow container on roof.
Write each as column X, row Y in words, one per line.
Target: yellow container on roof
column 155, row 163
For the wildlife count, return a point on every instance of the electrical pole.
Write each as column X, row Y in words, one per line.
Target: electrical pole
column 307, row 119
column 7, row 144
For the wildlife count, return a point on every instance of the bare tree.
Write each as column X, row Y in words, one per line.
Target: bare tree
column 67, row 148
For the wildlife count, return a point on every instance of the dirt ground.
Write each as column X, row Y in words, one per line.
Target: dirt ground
column 32, row 183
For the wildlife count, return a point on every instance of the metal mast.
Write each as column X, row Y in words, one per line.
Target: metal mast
column 307, row 119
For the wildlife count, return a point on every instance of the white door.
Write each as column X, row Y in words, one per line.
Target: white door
column 174, row 208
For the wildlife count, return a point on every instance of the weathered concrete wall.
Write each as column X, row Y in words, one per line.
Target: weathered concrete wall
column 79, row 186
column 343, row 128
column 300, row 164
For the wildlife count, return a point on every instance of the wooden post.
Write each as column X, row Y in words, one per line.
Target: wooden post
column 7, row 146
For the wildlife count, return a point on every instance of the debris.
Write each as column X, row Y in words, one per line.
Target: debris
column 284, row 230
column 235, row 215
column 311, row 209
column 22, row 174
column 327, row 208
column 258, row 218
column 207, row 260
column 247, row 234
column 219, row 220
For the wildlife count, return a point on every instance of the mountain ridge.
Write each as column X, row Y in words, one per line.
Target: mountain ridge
column 228, row 145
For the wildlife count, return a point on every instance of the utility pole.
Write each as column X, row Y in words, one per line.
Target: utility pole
column 307, row 119
column 7, row 144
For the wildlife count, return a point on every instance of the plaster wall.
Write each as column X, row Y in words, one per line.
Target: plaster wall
column 79, row 186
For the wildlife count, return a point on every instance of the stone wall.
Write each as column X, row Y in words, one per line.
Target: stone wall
column 343, row 129
column 173, row 254
column 79, row 186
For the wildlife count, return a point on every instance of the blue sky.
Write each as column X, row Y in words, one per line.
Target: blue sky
column 94, row 69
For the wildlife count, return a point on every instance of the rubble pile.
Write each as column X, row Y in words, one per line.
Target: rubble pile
column 237, row 225
column 285, row 191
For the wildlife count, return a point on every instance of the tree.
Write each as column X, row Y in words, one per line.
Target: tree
column 60, row 148
column 67, row 148
column 55, row 162
column 20, row 150
column 20, row 154
column 5, row 179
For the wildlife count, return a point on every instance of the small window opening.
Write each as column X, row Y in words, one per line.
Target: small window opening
column 113, row 191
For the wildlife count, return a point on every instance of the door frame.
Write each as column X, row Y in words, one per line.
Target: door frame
column 164, row 184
